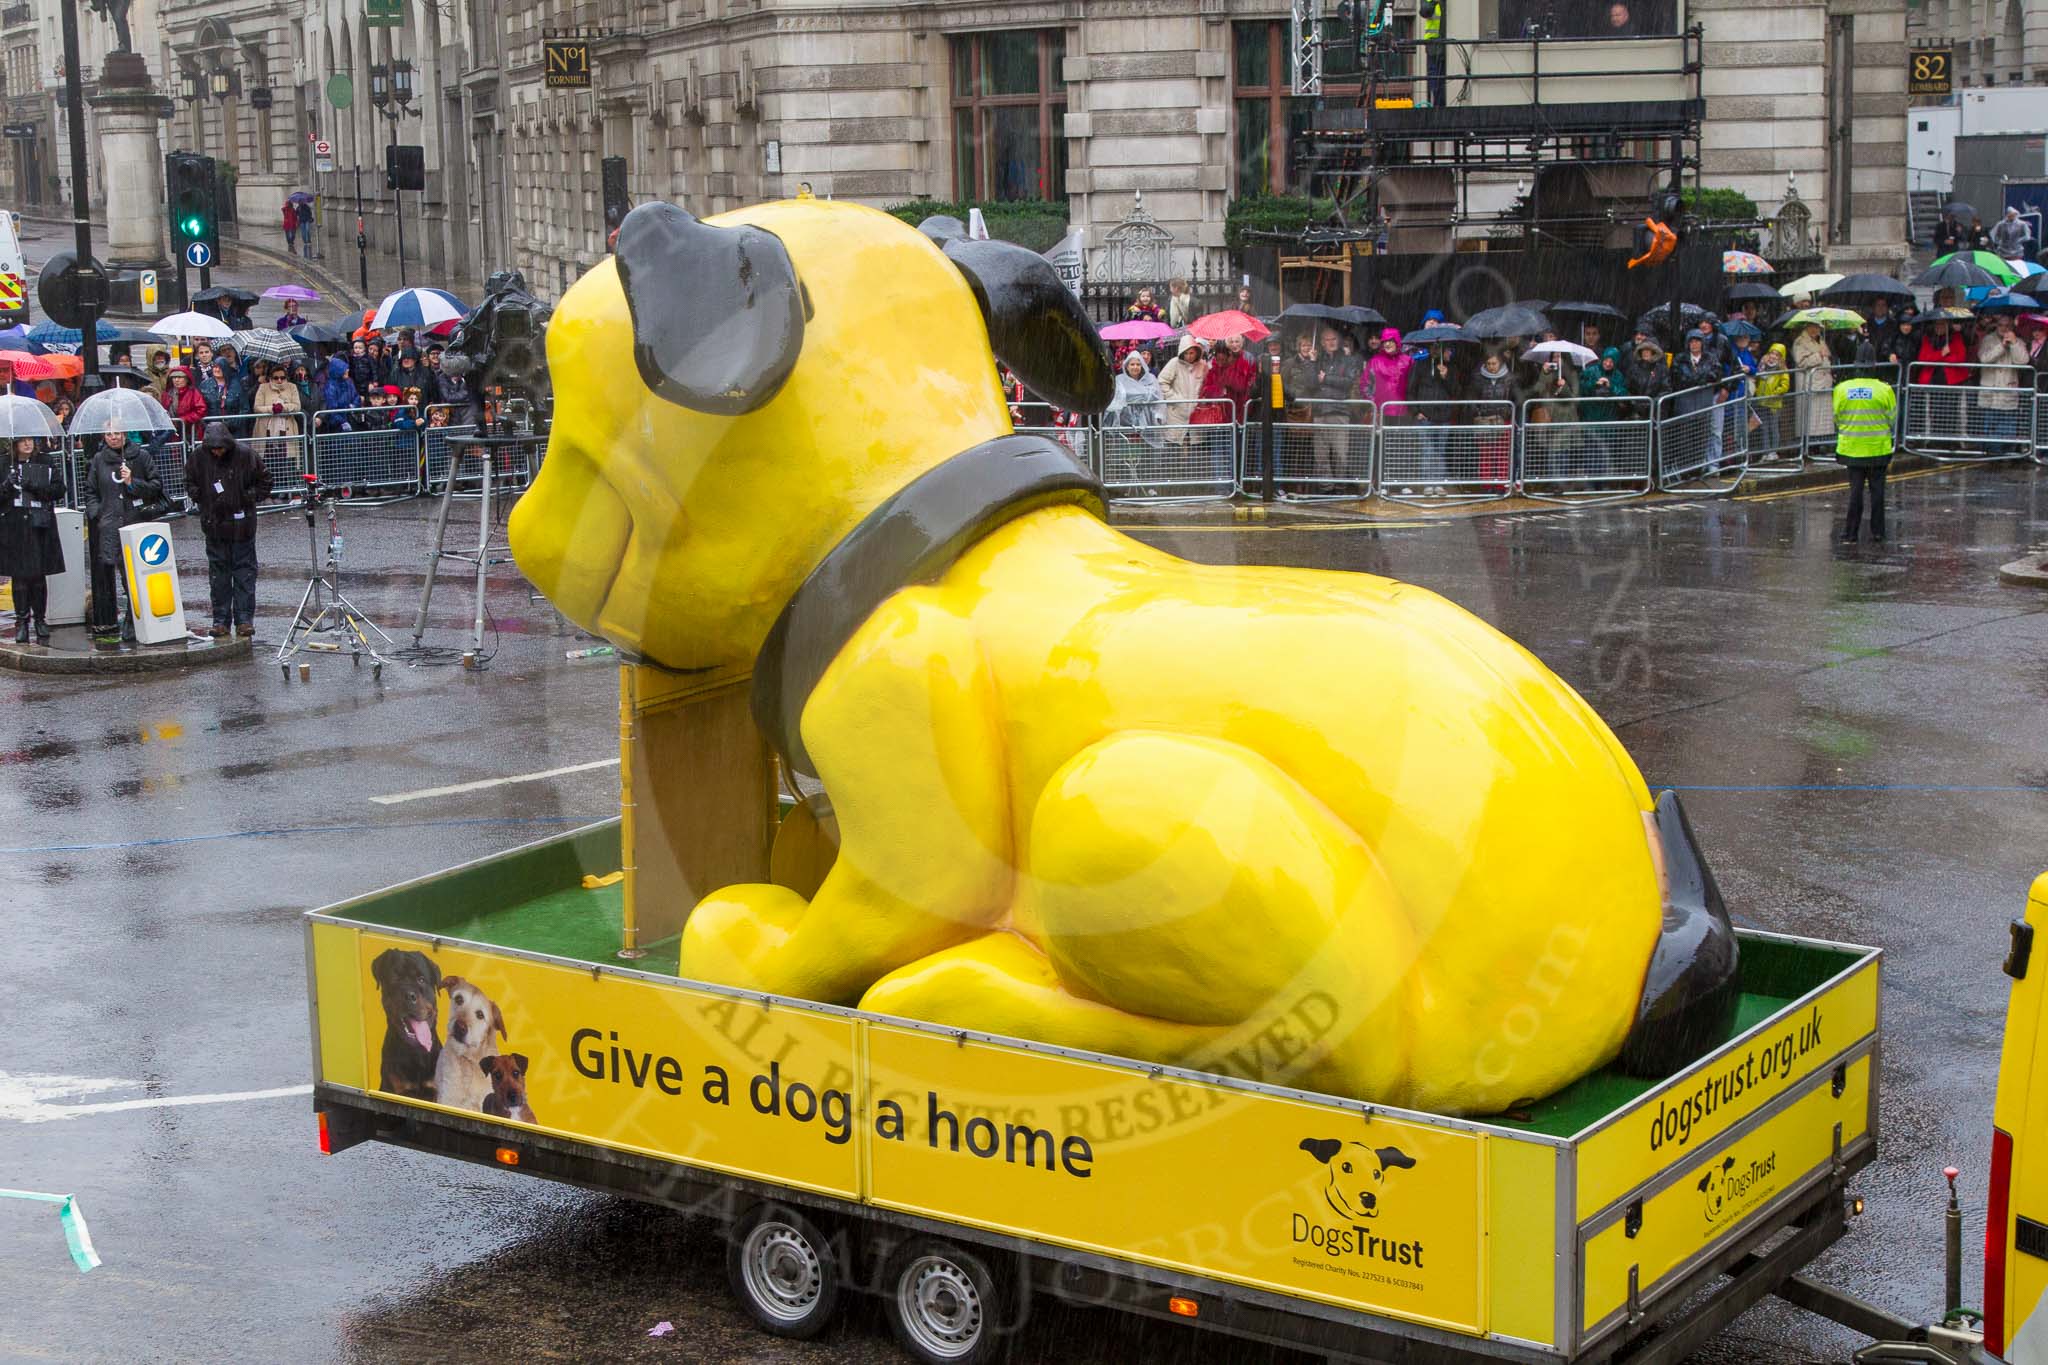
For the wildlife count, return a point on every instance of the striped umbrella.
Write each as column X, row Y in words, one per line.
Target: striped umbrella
column 267, row 343
column 1744, row 263
column 417, row 308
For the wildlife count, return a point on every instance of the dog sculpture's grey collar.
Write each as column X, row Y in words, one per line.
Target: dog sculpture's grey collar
column 913, row 537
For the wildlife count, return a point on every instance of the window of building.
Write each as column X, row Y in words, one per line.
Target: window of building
column 1009, row 115
column 1595, row 19
column 1262, row 86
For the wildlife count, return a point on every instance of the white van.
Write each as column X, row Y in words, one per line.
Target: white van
column 13, row 272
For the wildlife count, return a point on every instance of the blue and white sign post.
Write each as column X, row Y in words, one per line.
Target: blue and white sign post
column 151, row 564
column 198, row 255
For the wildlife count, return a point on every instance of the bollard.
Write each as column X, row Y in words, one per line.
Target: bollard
column 1955, row 1244
column 305, row 672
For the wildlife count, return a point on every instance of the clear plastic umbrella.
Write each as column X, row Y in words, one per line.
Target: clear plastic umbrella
column 21, row 416
column 119, row 410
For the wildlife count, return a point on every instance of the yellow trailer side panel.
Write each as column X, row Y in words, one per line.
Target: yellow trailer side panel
column 665, row 1070
column 338, row 997
column 2021, row 1112
column 1523, row 1255
column 1720, row 1190
column 1686, row 1114
column 1321, row 1202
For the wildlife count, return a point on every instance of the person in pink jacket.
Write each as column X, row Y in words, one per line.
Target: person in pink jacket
column 1385, row 380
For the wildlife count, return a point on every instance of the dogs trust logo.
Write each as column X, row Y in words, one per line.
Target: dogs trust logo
column 1356, row 1189
column 1728, row 1186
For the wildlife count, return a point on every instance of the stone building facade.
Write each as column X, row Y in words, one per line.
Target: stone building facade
column 1996, row 42
column 717, row 103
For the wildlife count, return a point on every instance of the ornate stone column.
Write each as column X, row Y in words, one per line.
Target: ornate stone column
column 126, row 114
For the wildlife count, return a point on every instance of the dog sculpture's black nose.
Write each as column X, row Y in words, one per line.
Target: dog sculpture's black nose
column 1367, row 1201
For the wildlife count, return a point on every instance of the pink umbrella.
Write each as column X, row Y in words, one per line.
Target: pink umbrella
column 1137, row 329
column 1229, row 323
column 303, row 293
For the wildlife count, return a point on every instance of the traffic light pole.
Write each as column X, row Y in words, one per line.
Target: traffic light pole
column 74, row 105
column 362, row 240
column 397, row 203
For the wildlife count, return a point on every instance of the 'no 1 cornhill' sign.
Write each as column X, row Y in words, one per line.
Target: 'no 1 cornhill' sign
column 566, row 63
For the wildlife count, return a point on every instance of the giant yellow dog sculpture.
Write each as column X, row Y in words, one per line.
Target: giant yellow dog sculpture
column 1318, row 829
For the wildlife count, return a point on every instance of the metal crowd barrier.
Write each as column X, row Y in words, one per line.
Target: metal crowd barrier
column 1328, row 456
column 281, row 446
column 1042, row 419
column 1972, row 422
column 1142, row 459
column 360, row 448
column 1585, row 449
column 1777, row 441
column 2040, row 451
column 1701, row 438
column 1448, row 453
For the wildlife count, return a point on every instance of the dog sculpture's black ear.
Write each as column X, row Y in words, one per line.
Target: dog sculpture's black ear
column 1035, row 324
column 1322, row 1149
column 1705, row 1180
column 718, row 312
column 1394, row 1159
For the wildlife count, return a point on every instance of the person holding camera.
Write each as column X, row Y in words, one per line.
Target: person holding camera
column 31, row 489
column 121, row 488
column 227, row 483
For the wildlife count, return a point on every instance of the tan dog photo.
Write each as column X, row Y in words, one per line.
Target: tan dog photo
column 474, row 1026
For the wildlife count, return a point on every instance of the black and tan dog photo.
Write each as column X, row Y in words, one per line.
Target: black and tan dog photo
column 1358, row 1173
column 410, row 984
column 507, row 1074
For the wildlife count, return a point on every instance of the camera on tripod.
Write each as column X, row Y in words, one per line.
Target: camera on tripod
column 501, row 349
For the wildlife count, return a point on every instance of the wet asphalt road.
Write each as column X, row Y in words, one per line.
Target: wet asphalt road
column 1859, row 736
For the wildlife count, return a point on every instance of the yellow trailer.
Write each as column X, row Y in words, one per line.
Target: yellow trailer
column 489, row 1013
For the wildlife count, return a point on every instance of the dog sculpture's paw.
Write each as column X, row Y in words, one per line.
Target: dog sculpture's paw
column 733, row 934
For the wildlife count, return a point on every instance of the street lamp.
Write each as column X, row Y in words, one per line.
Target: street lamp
column 188, row 86
column 401, row 82
column 220, row 83
column 380, row 86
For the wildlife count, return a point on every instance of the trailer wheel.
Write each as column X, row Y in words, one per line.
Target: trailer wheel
column 784, row 1271
column 943, row 1305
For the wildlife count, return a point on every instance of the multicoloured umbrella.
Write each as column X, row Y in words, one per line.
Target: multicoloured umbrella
column 1229, row 323
column 1990, row 262
column 418, row 309
column 1744, row 263
column 1955, row 273
column 1839, row 319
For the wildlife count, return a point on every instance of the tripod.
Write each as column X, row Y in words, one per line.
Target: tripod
column 513, row 432
column 322, row 607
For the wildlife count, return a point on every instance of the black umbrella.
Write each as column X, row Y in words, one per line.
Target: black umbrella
column 320, row 333
column 1588, row 310
column 1322, row 312
column 1509, row 320
column 1957, row 273
column 1439, row 336
column 217, row 294
column 1959, row 209
column 1751, row 289
column 1855, row 288
column 1689, row 315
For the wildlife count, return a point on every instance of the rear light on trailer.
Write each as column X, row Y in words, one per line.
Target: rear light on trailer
column 508, row 1156
column 326, row 1142
column 1997, row 1224
column 1183, row 1308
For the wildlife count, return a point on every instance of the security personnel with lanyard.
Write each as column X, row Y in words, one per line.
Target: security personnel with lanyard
column 1864, row 413
column 1432, row 12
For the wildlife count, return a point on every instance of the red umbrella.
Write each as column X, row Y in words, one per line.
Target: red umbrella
column 35, row 367
column 1229, row 323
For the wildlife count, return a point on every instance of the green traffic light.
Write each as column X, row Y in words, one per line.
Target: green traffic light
column 194, row 227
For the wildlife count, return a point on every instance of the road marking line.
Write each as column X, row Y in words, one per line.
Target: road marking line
column 399, row 798
column 26, row 1099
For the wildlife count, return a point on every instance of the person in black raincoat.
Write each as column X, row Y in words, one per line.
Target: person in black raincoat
column 31, row 488
column 120, row 489
column 228, row 483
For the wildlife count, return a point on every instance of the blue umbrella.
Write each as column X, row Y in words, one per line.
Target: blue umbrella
column 2010, row 302
column 50, row 334
column 1737, row 327
column 418, row 308
column 16, row 338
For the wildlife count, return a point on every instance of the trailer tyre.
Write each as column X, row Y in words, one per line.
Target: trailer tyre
column 784, row 1271
column 943, row 1304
